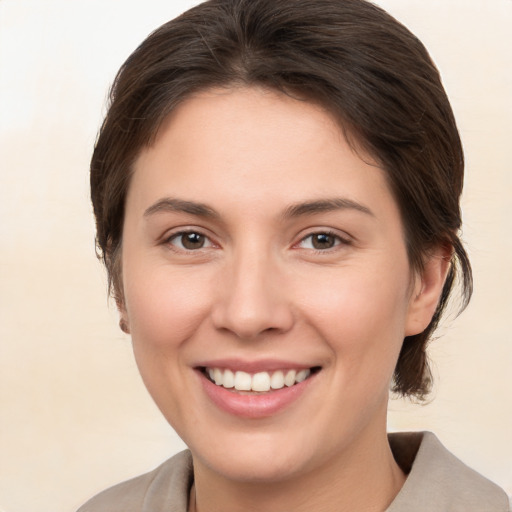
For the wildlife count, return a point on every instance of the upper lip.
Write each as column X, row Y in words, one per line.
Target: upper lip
column 261, row 365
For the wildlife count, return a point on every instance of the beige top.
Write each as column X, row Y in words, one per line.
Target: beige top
column 437, row 482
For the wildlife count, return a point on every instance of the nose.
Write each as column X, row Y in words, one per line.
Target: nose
column 252, row 298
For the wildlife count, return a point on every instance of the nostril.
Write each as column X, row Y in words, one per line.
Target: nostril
column 251, row 303
column 251, row 325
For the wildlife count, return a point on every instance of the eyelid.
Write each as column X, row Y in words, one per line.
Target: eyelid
column 175, row 233
column 341, row 238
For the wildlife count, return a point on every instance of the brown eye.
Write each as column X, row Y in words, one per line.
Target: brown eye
column 323, row 241
column 189, row 241
column 192, row 240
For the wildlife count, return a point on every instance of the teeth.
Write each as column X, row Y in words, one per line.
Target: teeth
column 277, row 380
column 261, row 381
column 243, row 381
column 289, row 378
column 217, row 377
column 229, row 379
column 302, row 375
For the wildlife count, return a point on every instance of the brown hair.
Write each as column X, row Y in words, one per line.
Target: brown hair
column 349, row 56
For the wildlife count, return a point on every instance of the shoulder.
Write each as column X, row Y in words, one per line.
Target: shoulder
column 165, row 488
column 439, row 480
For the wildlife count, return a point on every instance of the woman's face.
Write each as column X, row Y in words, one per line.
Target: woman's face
column 256, row 241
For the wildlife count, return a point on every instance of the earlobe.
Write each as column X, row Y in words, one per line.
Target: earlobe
column 124, row 324
column 427, row 290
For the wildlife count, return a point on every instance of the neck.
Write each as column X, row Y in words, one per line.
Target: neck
column 363, row 479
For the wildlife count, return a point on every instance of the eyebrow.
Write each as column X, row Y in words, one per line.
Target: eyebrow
column 325, row 205
column 169, row 204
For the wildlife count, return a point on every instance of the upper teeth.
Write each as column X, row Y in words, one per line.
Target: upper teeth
column 262, row 381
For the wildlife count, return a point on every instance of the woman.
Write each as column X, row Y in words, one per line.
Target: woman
column 276, row 189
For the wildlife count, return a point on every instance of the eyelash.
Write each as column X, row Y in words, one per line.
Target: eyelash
column 338, row 240
column 180, row 234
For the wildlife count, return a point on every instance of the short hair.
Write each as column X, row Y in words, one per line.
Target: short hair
column 349, row 56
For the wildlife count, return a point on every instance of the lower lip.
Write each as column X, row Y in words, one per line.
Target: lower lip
column 257, row 405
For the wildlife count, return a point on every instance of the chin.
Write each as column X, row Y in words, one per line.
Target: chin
column 255, row 468
column 257, row 458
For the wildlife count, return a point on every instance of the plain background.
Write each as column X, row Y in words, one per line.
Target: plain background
column 75, row 417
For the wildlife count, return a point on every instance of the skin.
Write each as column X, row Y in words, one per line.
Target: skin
column 258, row 289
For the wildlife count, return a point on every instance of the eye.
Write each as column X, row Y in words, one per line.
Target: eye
column 189, row 241
column 321, row 241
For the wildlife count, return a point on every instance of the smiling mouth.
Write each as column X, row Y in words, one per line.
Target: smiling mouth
column 261, row 382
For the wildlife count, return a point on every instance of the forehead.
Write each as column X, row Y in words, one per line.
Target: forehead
column 259, row 143
column 249, row 106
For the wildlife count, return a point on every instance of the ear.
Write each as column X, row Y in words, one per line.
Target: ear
column 428, row 286
column 124, row 323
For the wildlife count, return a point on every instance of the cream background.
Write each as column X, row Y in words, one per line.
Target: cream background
column 75, row 417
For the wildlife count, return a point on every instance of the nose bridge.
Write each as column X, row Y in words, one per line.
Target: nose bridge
column 253, row 298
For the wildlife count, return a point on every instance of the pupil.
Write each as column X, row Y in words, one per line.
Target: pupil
column 193, row 240
column 323, row 241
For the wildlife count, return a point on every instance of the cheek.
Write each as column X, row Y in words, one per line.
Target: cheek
column 362, row 317
column 164, row 310
column 164, row 307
